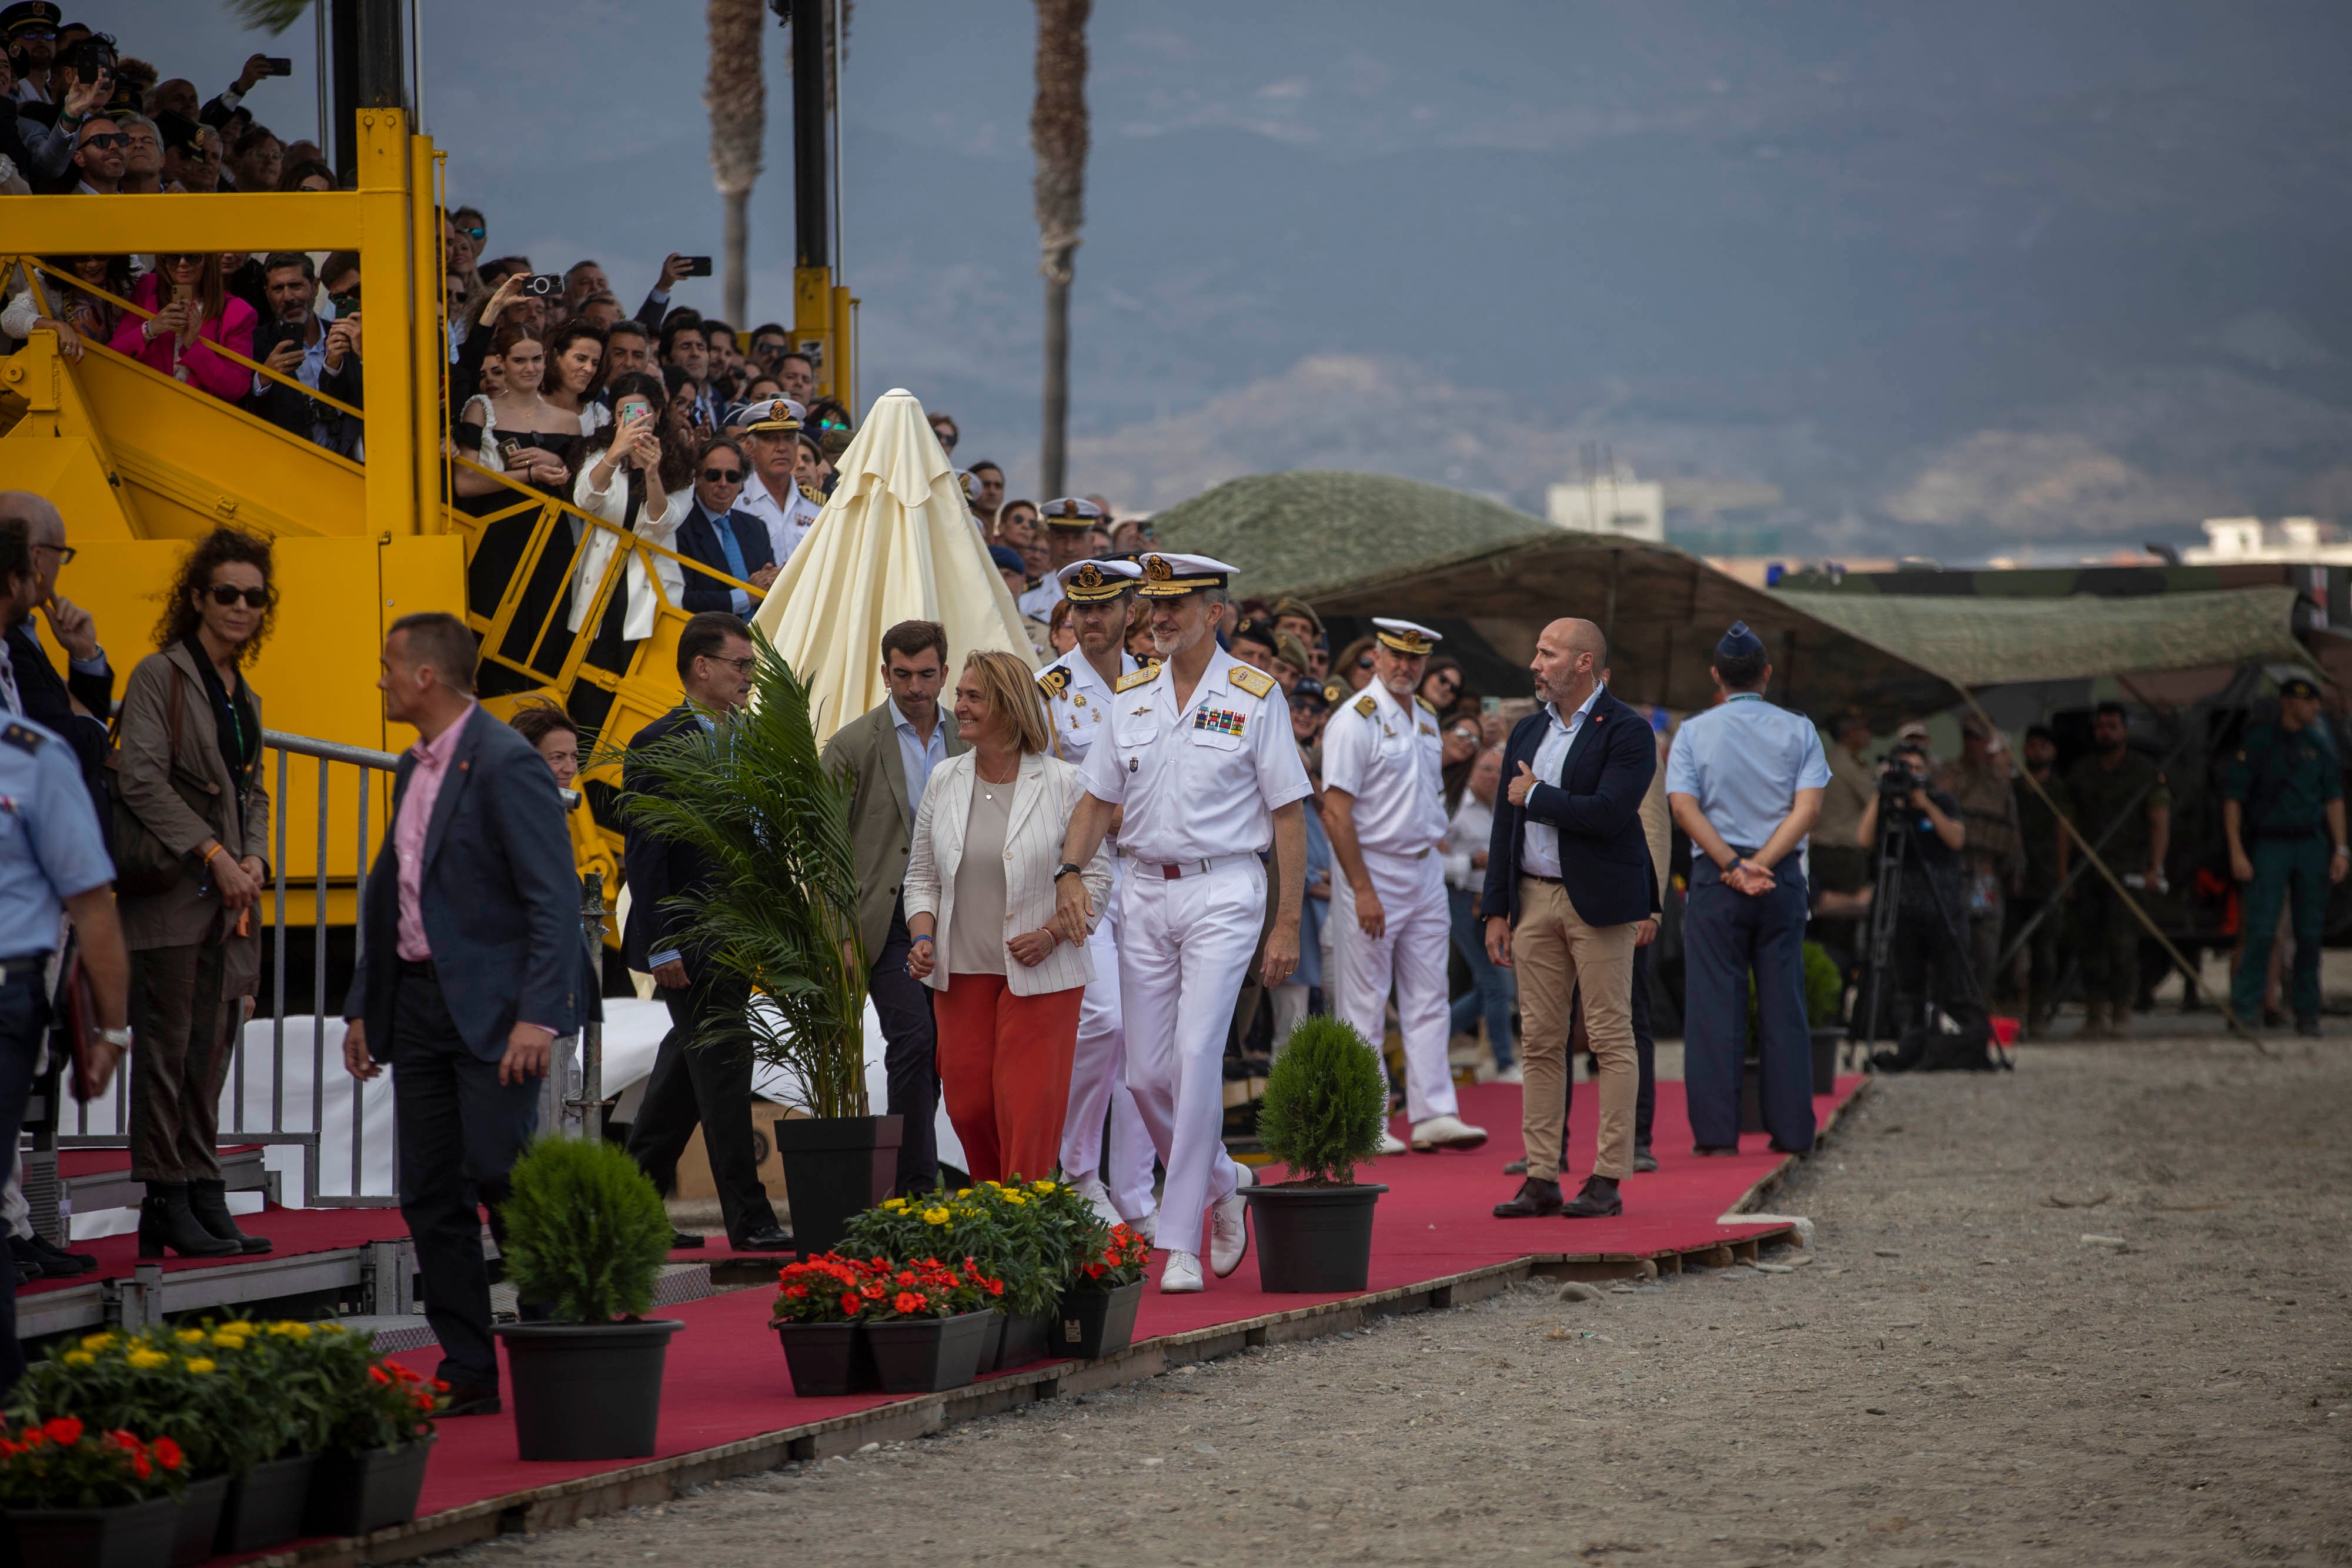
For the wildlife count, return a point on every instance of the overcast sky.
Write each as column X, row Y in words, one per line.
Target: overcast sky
column 2009, row 271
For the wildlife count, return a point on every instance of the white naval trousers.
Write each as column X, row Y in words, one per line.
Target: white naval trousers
column 1098, row 1080
column 1410, row 954
column 1183, row 946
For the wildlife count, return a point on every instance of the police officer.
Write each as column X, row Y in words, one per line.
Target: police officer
column 52, row 862
column 2122, row 808
column 1384, row 807
column 2282, row 813
column 1078, row 687
column 1067, row 522
column 1745, row 781
column 1200, row 758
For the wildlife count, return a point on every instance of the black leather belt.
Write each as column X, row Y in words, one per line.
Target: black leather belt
column 419, row 969
column 1538, row 876
column 26, row 966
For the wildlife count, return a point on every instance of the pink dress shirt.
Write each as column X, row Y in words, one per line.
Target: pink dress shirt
column 408, row 830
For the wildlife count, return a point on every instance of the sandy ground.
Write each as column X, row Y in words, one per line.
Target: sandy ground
column 1958, row 1373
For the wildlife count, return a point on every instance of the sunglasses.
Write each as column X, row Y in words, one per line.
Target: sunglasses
column 947, row 437
column 225, row 594
column 1365, row 663
column 474, row 234
column 722, row 475
column 107, row 139
column 1453, row 682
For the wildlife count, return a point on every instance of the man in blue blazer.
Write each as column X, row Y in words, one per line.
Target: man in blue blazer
column 469, row 967
column 717, row 535
column 1568, row 884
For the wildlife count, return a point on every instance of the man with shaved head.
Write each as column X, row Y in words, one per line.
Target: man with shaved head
column 1569, row 884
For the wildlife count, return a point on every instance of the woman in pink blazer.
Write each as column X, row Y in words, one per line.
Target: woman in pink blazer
column 193, row 314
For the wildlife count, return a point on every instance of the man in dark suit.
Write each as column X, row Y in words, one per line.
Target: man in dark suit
column 470, row 967
column 1568, row 885
column 709, row 1086
column 891, row 751
column 293, row 341
column 41, row 695
column 717, row 535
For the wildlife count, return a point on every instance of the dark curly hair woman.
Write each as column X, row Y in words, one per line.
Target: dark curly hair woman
column 188, row 766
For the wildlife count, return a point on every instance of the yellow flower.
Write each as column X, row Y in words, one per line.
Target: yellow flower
column 1015, row 1197
column 148, row 1360
column 997, row 1184
column 190, row 1336
column 935, row 1216
column 1042, row 1187
column 239, row 1325
column 965, row 1192
column 896, row 1203
column 98, row 1342
column 78, row 1358
column 288, row 1329
column 200, row 1366
column 229, row 1342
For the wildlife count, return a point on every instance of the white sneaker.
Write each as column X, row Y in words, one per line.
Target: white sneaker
column 1445, row 1133
column 1514, row 1073
column 1148, row 1228
column 1182, row 1277
column 1390, row 1143
column 1229, row 1228
column 1097, row 1198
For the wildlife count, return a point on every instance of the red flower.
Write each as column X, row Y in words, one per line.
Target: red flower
column 996, row 1287
column 167, row 1454
column 909, row 1301
column 141, row 1467
column 439, row 1386
column 377, row 1375
column 850, row 1302
column 62, row 1429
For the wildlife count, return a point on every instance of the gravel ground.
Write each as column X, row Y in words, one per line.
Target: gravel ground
column 2092, row 1312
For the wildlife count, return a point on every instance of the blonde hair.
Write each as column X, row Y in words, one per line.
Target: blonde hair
column 1011, row 692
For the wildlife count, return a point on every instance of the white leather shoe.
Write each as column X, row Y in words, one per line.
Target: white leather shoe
column 1148, row 1228
column 1229, row 1228
column 1390, row 1143
column 1182, row 1277
column 1097, row 1198
column 1445, row 1133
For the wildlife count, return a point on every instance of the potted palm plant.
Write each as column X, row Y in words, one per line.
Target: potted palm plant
column 586, row 1236
column 1326, row 1103
column 781, row 916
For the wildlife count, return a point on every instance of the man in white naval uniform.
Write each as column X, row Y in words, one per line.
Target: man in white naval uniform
column 1384, row 809
column 1078, row 687
column 1200, row 758
column 1066, row 523
column 772, row 443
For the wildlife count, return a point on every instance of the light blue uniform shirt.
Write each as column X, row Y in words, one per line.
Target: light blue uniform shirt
column 1743, row 761
column 918, row 756
column 50, row 847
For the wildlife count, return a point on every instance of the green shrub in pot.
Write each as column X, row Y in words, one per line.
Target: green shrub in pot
column 1326, row 1103
column 587, row 1234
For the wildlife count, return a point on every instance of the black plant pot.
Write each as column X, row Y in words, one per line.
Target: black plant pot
column 357, row 1494
column 587, row 1391
column 828, row 1358
column 264, row 1507
column 129, row 1535
column 199, row 1512
column 835, row 1168
column 1025, row 1340
column 1094, row 1322
column 991, row 1343
column 1827, row 1038
column 926, row 1356
column 1313, row 1239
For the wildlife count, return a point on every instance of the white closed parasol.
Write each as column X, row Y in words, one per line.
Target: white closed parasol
column 896, row 542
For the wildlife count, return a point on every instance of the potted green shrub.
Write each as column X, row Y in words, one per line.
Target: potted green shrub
column 781, row 916
column 820, row 1313
column 373, row 1469
column 586, row 1236
column 78, row 1496
column 1325, row 1107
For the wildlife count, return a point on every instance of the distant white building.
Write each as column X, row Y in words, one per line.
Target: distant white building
column 2238, row 541
column 1608, row 505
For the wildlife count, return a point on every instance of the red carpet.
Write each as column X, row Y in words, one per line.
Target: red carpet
column 727, row 1381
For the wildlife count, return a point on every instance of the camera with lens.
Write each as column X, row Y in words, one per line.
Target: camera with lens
column 1904, row 771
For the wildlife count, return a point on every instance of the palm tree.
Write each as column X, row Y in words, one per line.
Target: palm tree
column 736, row 94
column 1057, row 135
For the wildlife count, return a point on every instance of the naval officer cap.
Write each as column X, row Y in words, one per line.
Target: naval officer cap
column 1404, row 637
column 776, row 416
column 1167, row 575
column 1071, row 512
column 2298, row 686
column 1738, row 642
column 1092, row 581
column 30, row 16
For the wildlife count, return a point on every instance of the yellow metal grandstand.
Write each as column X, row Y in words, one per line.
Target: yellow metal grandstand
column 139, row 463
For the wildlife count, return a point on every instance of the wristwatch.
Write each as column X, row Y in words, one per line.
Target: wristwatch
column 118, row 1037
column 1067, row 869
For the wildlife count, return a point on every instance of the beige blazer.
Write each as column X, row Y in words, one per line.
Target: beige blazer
column 881, row 824
column 158, row 786
column 1044, row 793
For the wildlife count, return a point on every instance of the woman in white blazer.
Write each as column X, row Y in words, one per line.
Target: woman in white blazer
column 980, row 901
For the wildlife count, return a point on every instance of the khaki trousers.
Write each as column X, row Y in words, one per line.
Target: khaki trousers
column 1554, row 953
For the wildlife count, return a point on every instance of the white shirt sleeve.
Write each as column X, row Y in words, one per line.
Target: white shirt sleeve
column 1281, row 772
column 1345, row 741
column 1104, row 772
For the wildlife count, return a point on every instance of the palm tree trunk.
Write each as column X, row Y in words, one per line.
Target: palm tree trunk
column 736, row 94
column 1058, row 136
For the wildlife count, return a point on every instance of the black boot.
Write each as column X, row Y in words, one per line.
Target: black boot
column 209, row 1201
column 1599, row 1200
column 165, row 1220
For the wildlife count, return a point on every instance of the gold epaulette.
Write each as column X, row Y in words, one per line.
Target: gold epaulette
column 1428, row 706
column 1126, row 682
column 1365, row 705
column 1053, row 682
column 1258, row 682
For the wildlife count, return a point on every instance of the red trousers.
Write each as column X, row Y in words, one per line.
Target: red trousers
column 1004, row 1072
